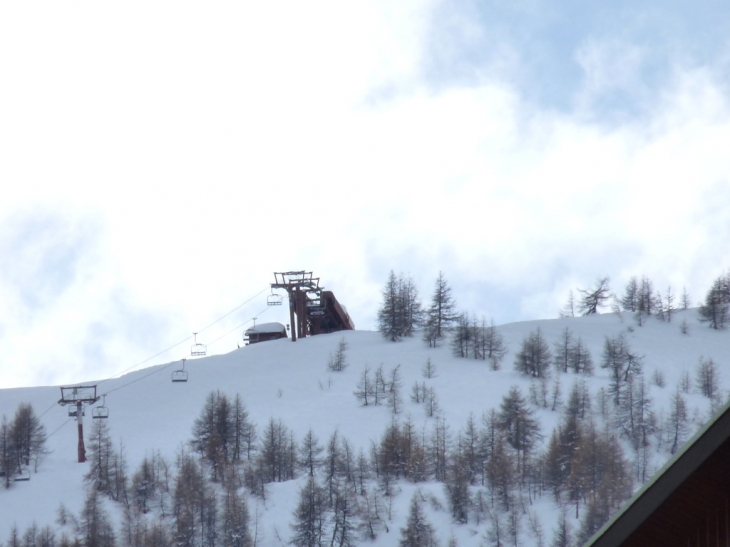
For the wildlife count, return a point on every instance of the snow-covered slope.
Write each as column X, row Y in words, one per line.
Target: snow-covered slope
column 291, row 381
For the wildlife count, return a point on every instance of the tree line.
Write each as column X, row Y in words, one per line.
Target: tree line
column 22, row 444
column 492, row 470
column 642, row 299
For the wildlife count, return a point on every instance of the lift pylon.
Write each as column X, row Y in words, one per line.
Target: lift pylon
column 298, row 285
column 79, row 396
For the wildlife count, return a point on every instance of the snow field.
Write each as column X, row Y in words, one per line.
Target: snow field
column 291, row 382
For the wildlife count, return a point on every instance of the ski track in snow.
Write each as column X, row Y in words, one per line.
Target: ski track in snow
column 290, row 381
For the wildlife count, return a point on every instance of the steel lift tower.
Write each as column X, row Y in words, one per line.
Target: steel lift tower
column 79, row 396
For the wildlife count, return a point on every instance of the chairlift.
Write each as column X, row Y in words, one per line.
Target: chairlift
column 274, row 299
column 101, row 412
column 73, row 411
column 198, row 349
column 24, row 475
column 180, row 375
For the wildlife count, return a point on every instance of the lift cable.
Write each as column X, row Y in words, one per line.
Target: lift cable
column 184, row 340
column 171, row 347
column 59, row 427
column 141, row 377
column 54, row 405
column 239, row 326
column 175, row 362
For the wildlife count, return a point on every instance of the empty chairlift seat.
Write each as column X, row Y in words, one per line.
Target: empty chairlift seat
column 198, row 349
column 72, row 411
column 100, row 412
column 180, row 375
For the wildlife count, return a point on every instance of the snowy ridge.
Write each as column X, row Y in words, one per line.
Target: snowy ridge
column 291, row 382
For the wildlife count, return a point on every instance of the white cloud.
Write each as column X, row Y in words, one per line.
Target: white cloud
column 213, row 145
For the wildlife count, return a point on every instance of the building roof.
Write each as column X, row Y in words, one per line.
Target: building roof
column 686, row 499
column 266, row 328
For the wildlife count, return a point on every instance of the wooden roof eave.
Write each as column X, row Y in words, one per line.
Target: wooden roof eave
column 655, row 495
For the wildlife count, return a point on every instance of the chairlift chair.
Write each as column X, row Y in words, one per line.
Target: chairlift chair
column 274, row 299
column 24, row 475
column 101, row 412
column 198, row 349
column 180, row 375
column 72, row 411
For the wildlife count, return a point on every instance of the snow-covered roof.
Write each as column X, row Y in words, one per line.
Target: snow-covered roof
column 266, row 328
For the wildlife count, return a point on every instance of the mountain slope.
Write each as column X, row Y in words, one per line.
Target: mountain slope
column 291, row 382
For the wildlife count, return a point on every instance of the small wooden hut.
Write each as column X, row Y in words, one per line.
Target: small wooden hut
column 264, row 332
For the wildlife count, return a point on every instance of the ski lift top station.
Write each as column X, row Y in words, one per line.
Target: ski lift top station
column 312, row 310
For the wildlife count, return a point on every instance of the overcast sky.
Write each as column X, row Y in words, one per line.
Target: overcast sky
column 160, row 160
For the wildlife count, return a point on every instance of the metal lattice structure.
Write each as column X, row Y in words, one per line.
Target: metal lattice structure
column 312, row 310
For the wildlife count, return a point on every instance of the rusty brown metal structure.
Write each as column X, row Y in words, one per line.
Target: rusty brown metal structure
column 312, row 310
column 79, row 396
column 687, row 504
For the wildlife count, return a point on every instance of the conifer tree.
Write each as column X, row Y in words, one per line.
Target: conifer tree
column 310, row 516
column 441, row 314
column 310, row 454
column 101, row 457
column 493, row 347
column 418, row 531
column 630, row 300
column 462, row 340
column 563, row 533
column 95, row 527
column 562, row 352
column 244, row 431
column 569, row 308
column 593, row 299
column 235, row 518
column 579, row 358
column 677, row 427
column 29, row 436
column 521, row 429
column 621, row 363
column 685, row 301
column 389, row 315
column 716, row 308
column 400, row 311
column 338, row 360
column 534, row 356
column 708, row 378
column 8, row 458
column 365, row 390
column 343, row 521
column 646, row 302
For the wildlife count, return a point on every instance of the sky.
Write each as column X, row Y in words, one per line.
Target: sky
column 158, row 162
